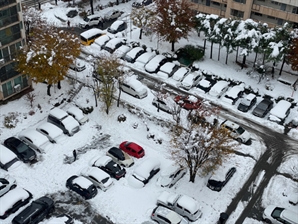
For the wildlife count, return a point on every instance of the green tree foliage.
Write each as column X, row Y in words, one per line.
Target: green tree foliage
column 293, row 56
column 174, row 20
column 48, row 54
column 201, row 147
column 142, row 17
column 109, row 70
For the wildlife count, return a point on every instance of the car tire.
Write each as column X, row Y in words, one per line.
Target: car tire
column 239, row 140
column 267, row 221
column 50, row 212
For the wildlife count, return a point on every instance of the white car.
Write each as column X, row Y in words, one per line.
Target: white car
column 237, row 132
column 113, row 44
column 162, row 105
column 167, row 70
column 163, row 215
column 191, row 80
column 180, row 74
column 52, row 132
column 7, row 183
column 134, row 87
column 121, row 51
column 8, row 160
column 233, row 94
column 144, row 172
column 102, row 40
column 155, row 63
column 112, row 14
column 34, row 139
column 133, row 54
column 171, row 176
column 278, row 215
column 120, row 157
column 144, row 59
column 219, row 88
column 92, row 20
column 98, row 177
column 77, row 114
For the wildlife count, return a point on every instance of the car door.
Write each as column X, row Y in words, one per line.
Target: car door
column 29, row 142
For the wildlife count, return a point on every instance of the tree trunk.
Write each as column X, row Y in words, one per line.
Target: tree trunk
column 173, row 46
column 204, row 46
column 192, row 176
column 282, row 65
column 228, row 47
column 49, row 90
column 237, row 54
column 219, row 51
column 59, row 85
column 141, row 32
column 211, row 50
column 272, row 71
column 118, row 100
column 255, row 59
column 56, row 2
column 91, row 5
column 243, row 61
column 264, row 59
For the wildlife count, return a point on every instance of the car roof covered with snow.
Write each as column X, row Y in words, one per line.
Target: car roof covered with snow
column 6, row 155
column 146, row 167
column 134, row 83
column 144, row 58
column 218, row 87
column 102, row 161
column 37, row 138
column 180, row 73
column 58, row 113
column 116, row 24
column 113, row 42
column 154, row 63
column 280, row 109
column 234, row 91
column 220, row 173
column 53, row 130
column 83, row 182
column 102, row 40
column 94, row 172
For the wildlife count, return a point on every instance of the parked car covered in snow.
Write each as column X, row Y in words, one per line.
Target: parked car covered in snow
column 247, row 102
column 280, row 111
column 233, row 94
column 205, row 84
column 8, row 159
column 144, row 172
column 144, row 59
column 132, row 149
column 98, row 177
column 102, row 40
column 276, row 215
column 170, row 176
column 167, row 69
column 163, row 215
column 133, row 54
column 7, row 183
column 189, row 102
column 77, row 114
column 134, row 87
column 34, row 139
column 237, row 132
column 155, row 63
column 13, row 200
column 82, row 186
column 182, row 204
column 113, row 44
column 162, row 105
column 52, row 132
column 219, row 88
column 112, row 14
column 117, row 27
column 180, row 74
column 63, row 121
column 191, row 80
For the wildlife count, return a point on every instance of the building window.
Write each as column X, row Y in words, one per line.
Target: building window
column 271, row 17
column 216, row 3
column 7, row 89
column 8, row 16
column 295, row 10
column 257, row 14
column 10, row 34
column 275, row 3
column 6, row 2
column 240, row 1
column 236, row 13
column 7, row 72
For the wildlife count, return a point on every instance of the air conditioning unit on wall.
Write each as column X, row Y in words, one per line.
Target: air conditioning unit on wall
column 17, row 88
column 2, row 61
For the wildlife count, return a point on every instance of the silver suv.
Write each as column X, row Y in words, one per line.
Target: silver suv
column 92, row 20
column 163, row 215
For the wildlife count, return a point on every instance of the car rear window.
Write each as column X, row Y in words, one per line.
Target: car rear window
column 141, row 151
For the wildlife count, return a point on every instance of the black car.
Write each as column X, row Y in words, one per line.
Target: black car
column 117, row 27
column 36, row 212
column 108, row 165
column 23, row 151
column 141, row 4
column 72, row 13
column 247, row 102
column 263, row 108
column 217, row 184
column 82, row 186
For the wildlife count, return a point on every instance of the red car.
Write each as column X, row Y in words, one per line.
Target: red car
column 188, row 102
column 132, row 149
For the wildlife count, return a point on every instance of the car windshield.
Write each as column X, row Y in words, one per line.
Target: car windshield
column 86, row 19
column 22, row 147
column 105, row 180
column 240, row 130
column 245, row 102
column 276, row 212
column 263, row 106
column 112, row 166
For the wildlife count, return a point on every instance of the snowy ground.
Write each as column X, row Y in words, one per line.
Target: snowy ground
column 122, row 203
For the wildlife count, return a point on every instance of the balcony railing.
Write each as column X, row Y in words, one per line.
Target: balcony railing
column 6, row 2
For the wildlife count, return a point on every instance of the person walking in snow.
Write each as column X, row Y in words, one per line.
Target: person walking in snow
column 68, row 23
column 74, row 152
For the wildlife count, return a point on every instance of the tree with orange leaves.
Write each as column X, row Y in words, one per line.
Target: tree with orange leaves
column 293, row 56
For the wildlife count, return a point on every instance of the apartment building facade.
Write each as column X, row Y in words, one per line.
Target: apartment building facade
column 274, row 13
column 12, row 37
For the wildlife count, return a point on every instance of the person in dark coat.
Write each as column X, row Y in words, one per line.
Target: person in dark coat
column 74, row 152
